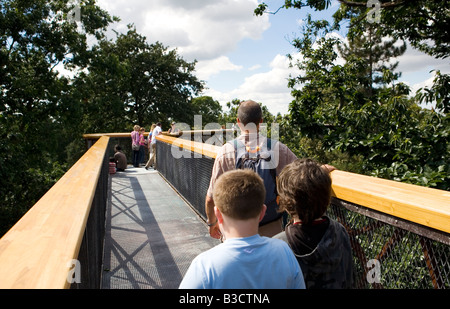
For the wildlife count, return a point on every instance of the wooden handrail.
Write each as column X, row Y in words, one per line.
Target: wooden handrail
column 36, row 252
column 425, row 206
column 201, row 148
column 95, row 136
column 418, row 204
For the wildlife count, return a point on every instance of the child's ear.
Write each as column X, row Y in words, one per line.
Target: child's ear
column 218, row 215
column 263, row 212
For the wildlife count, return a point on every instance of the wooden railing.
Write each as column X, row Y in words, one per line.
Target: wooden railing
column 42, row 250
column 399, row 232
column 422, row 205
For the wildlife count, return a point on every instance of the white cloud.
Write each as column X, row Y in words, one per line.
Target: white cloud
column 254, row 67
column 269, row 88
column 207, row 31
column 414, row 60
column 428, row 83
column 201, row 30
column 207, row 68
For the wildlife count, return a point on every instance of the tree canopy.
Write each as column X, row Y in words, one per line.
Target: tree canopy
column 37, row 38
column 355, row 108
column 61, row 77
column 424, row 23
column 130, row 81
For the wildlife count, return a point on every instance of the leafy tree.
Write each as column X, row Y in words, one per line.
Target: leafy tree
column 35, row 38
column 342, row 109
column 423, row 23
column 419, row 21
column 386, row 128
column 43, row 112
column 439, row 93
column 208, row 108
column 130, row 81
column 376, row 52
column 230, row 115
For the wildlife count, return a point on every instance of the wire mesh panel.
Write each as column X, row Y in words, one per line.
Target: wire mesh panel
column 391, row 253
column 388, row 252
column 91, row 249
column 186, row 171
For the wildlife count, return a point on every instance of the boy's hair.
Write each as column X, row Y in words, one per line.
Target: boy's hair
column 304, row 188
column 239, row 194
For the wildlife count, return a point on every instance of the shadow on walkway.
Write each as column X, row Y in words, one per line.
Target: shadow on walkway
column 151, row 236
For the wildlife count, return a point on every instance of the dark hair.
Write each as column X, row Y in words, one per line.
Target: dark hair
column 305, row 189
column 118, row 147
column 249, row 112
column 239, row 194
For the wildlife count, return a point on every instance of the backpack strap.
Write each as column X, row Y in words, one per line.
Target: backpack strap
column 239, row 151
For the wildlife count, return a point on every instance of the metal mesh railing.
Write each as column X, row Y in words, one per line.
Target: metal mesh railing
column 189, row 174
column 388, row 252
column 392, row 253
column 90, row 255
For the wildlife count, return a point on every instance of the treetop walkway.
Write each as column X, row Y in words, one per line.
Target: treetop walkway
column 141, row 229
column 151, row 235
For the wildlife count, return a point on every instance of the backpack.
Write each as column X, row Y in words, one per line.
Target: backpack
column 259, row 160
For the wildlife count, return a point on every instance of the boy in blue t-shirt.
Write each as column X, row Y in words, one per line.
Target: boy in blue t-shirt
column 245, row 260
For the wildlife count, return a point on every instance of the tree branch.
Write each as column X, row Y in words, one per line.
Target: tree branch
column 364, row 4
column 281, row 7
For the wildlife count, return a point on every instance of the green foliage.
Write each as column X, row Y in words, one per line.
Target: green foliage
column 208, row 108
column 36, row 108
column 423, row 23
column 296, row 4
column 230, row 115
column 439, row 93
column 113, row 85
column 357, row 117
column 348, row 110
column 305, row 147
column 132, row 82
column 357, row 108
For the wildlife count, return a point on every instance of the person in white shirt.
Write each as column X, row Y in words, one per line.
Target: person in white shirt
column 152, row 160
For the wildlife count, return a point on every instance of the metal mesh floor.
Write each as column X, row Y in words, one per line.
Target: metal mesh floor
column 151, row 236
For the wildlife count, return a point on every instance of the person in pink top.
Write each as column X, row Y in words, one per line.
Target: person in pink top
column 135, row 145
column 142, row 145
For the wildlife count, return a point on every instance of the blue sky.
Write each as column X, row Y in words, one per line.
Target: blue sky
column 240, row 55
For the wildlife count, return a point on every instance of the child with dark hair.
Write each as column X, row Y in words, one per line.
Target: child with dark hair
column 320, row 244
column 120, row 159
